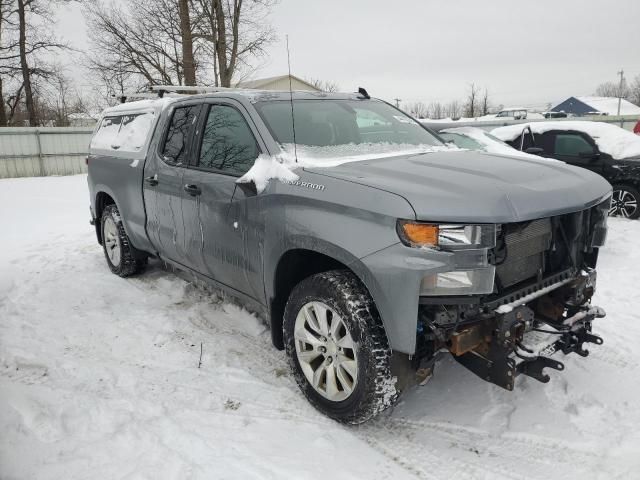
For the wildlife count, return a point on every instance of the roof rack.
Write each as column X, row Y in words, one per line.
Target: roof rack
column 155, row 91
column 189, row 89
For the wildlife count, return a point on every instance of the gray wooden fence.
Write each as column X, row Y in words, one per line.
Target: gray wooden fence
column 43, row 151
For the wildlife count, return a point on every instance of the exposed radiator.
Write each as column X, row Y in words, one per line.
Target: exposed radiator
column 525, row 246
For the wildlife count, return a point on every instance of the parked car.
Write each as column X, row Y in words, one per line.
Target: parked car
column 636, row 129
column 473, row 138
column 603, row 148
column 388, row 248
column 554, row 115
column 512, row 113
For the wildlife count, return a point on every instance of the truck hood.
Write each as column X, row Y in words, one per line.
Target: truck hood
column 466, row 186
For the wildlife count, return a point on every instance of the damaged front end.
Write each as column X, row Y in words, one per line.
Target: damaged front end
column 541, row 302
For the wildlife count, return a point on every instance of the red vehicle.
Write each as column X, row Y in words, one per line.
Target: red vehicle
column 636, row 129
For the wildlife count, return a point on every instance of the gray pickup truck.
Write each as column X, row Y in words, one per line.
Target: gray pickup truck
column 389, row 250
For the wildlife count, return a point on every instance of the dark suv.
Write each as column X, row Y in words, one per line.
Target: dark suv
column 603, row 148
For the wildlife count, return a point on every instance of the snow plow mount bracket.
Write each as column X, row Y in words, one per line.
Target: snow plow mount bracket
column 497, row 362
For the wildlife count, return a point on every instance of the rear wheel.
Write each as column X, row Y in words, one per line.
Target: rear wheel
column 121, row 256
column 625, row 202
column 337, row 347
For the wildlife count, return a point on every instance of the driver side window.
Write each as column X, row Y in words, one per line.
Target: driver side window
column 572, row 145
column 228, row 145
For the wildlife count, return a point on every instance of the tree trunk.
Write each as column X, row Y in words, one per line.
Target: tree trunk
column 221, row 44
column 3, row 112
column 26, row 74
column 188, row 63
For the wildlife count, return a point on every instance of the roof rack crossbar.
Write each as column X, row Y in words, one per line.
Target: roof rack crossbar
column 192, row 89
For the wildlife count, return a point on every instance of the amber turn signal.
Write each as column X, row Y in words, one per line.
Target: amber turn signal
column 418, row 234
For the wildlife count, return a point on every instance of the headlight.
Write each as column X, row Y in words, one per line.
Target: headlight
column 468, row 245
column 446, row 237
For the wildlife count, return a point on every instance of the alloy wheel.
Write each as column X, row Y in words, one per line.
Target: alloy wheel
column 111, row 241
column 326, row 351
column 623, row 203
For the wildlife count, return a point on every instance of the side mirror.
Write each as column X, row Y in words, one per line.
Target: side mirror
column 534, row 150
column 249, row 188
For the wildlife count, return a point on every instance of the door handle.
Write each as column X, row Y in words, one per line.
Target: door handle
column 153, row 181
column 192, row 190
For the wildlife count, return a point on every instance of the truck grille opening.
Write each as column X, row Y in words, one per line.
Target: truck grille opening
column 524, row 245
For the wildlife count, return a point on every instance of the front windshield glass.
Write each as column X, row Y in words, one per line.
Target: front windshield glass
column 326, row 129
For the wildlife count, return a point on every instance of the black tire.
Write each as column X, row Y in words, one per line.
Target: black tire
column 622, row 195
column 130, row 260
column 375, row 388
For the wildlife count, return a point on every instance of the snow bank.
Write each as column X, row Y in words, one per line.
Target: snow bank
column 616, row 141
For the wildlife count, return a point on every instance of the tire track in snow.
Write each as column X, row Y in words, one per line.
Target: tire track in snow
column 511, row 456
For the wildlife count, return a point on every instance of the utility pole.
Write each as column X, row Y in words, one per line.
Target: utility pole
column 621, row 73
column 397, row 100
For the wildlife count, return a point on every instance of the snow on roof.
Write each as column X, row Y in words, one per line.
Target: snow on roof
column 609, row 105
column 611, row 139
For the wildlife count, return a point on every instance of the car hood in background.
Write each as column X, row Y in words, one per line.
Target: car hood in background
column 465, row 186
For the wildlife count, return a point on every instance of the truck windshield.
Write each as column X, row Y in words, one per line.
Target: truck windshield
column 327, row 128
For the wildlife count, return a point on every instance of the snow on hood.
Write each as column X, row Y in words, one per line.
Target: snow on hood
column 279, row 167
column 492, row 145
column 267, row 167
column 611, row 139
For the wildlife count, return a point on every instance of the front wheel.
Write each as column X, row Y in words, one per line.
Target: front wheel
column 625, row 202
column 337, row 347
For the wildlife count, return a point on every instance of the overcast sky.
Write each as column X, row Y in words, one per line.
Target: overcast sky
column 524, row 52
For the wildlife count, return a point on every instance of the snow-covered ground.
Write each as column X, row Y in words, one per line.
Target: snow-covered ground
column 99, row 379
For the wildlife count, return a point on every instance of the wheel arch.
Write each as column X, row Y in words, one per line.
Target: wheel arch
column 102, row 200
column 297, row 263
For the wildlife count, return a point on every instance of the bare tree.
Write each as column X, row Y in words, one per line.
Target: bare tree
column 324, row 85
column 143, row 41
column 485, row 105
column 176, row 42
column 471, row 104
column 417, row 109
column 235, row 33
column 634, row 91
column 453, row 110
column 26, row 42
column 436, row 111
column 188, row 61
column 612, row 89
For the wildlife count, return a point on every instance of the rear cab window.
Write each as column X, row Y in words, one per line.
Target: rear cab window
column 126, row 133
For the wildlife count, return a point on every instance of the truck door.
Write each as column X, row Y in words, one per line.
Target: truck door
column 576, row 148
column 224, row 227
column 163, row 185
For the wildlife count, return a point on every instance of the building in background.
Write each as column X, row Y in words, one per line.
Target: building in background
column 581, row 106
column 278, row 83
